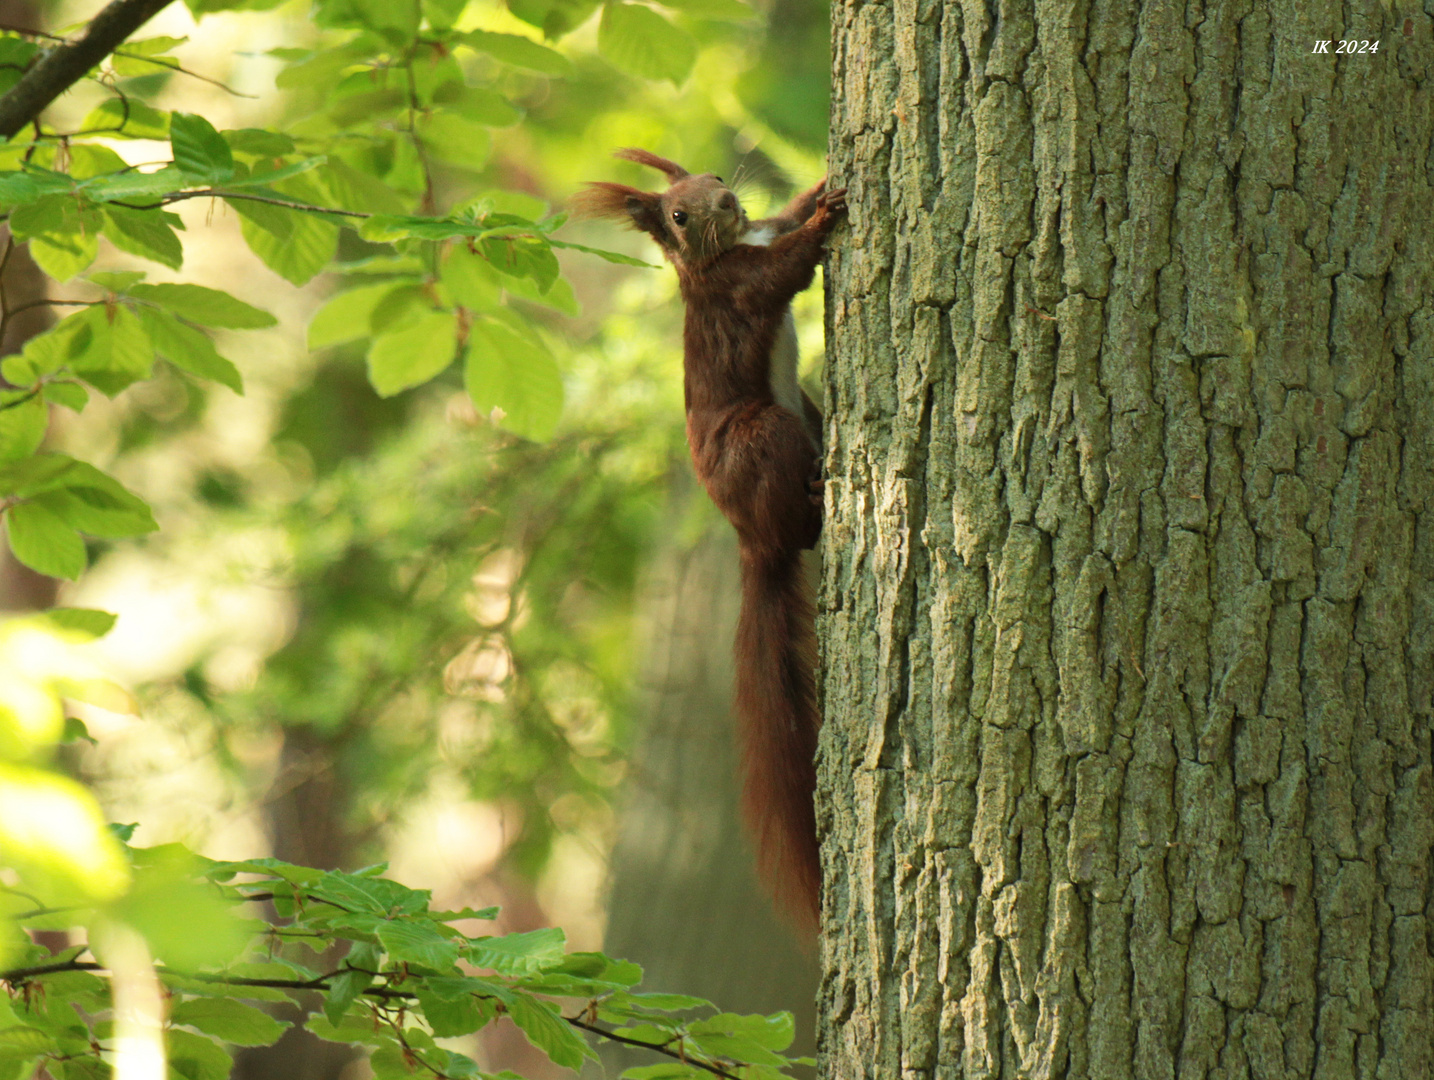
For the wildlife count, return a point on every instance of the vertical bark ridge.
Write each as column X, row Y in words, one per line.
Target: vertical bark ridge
column 1128, row 608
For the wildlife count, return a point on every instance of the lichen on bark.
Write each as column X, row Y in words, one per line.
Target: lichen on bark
column 1128, row 597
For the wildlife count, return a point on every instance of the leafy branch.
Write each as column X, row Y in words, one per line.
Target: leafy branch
column 67, row 64
column 17, row 977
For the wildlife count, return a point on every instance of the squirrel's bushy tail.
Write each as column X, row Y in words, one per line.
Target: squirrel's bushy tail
column 777, row 725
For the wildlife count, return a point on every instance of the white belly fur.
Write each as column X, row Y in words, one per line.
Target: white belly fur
column 783, row 373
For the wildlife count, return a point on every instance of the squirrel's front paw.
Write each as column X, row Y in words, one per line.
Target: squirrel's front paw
column 831, row 206
column 816, row 491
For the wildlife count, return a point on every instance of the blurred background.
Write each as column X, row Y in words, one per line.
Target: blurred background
column 383, row 630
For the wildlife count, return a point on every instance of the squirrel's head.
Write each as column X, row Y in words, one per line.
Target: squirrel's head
column 696, row 218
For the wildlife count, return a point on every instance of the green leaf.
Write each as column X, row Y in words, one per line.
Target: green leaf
column 88, row 621
column 610, row 256
column 377, row 896
column 130, row 67
column 233, row 1021
column 346, row 316
column 669, row 1002
column 352, row 189
column 85, row 498
column 147, row 233
column 411, row 353
column 98, row 512
column 119, row 351
column 370, row 106
column 116, row 281
column 455, row 139
column 477, row 103
column 545, row 1028
column 553, row 17
column 199, row 150
column 522, row 256
column 450, row 1017
column 207, row 307
column 15, row 57
column 343, row 991
column 259, row 141
column 774, row 1032
column 519, row 954
column 323, row 67
column 302, row 252
column 63, row 255
column 22, row 425
column 189, row 349
column 133, row 119
column 732, row 10
column 509, row 371
column 670, row 1070
column 193, row 1057
column 640, row 41
column 69, row 394
column 519, row 51
column 43, row 215
column 41, row 540
column 416, row 941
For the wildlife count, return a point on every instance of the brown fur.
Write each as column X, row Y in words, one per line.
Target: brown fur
column 761, row 464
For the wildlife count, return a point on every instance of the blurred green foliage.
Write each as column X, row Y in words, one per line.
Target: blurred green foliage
column 461, row 478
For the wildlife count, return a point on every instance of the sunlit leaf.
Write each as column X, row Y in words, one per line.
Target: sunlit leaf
column 189, row 349
column 509, row 372
column 455, row 139
column 640, row 41
column 23, row 421
column 52, row 827
column 346, row 316
column 63, row 255
column 412, row 352
column 43, row 541
column 132, row 119
column 300, row 254
column 118, row 352
column 233, row 1021
column 519, row 51
column 147, row 233
column 208, row 307
column 199, row 150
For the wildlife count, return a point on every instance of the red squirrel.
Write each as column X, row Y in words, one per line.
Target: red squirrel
column 755, row 439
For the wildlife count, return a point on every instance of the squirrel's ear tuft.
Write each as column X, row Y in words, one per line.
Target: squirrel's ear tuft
column 674, row 171
column 641, row 209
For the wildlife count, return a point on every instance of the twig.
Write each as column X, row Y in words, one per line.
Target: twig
column 212, row 193
column 67, row 64
column 715, row 1070
column 320, row 982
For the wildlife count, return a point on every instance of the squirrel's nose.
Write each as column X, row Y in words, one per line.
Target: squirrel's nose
column 728, row 201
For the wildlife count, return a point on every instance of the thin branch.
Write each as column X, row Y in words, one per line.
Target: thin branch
column 321, row 982
column 715, row 1070
column 213, row 193
column 67, row 64
column 175, row 65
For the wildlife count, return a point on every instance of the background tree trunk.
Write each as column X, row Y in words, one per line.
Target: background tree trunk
column 685, row 902
column 1129, row 578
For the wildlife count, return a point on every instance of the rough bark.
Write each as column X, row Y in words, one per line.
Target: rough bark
column 1128, row 605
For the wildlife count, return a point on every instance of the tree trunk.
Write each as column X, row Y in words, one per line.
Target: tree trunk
column 1128, row 605
column 685, row 902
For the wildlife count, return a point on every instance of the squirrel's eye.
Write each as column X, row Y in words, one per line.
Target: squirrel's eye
column 679, row 217
column 720, row 180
